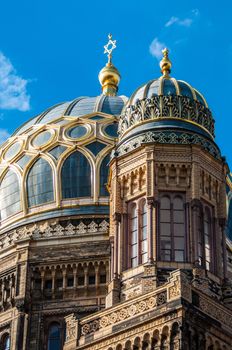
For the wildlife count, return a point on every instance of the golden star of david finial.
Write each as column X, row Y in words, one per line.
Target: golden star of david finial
column 109, row 47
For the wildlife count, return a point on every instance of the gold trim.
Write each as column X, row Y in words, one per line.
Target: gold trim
column 102, row 131
column 4, row 151
column 51, row 139
column 88, row 128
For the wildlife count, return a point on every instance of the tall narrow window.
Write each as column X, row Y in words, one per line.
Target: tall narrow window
column 76, row 176
column 54, row 337
column 5, row 342
column 134, row 236
column 9, row 195
column 143, row 232
column 104, row 170
column 199, row 236
column 165, row 228
column 178, row 229
column 207, row 237
column 40, row 183
column 172, row 228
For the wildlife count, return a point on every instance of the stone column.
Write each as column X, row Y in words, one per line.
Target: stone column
column 86, row 276
column 222, row 224
column 112, row 259
column 42, row 280
column 117, row 220
column 53, row 283
column 74, row 277
column 64, row 273
column 97, row 279
column 150, row 233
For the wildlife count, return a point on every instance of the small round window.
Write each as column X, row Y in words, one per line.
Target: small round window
column 42, row 139
column 112, row 130
column 77, row 132
column 12, row 151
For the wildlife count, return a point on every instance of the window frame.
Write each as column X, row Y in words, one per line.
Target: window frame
column 3, row 344
column 138, row 208
column 171, row 196
column 200, row 235
column 61, row 340
column 91, row 176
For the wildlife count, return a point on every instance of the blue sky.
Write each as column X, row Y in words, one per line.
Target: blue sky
column 51, row 51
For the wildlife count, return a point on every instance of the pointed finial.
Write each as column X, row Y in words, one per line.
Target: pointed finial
column 109, row 76
column 109, row 47
column 165, row 63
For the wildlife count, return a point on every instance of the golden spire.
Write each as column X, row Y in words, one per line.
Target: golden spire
column 165, row 63
column 109, row 76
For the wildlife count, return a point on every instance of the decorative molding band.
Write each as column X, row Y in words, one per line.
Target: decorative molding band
column 49, row 231
column 168, row 137
column 158, row 107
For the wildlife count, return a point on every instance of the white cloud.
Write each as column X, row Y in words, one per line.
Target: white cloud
column 185, row 22
column 156, row 48
column 171, row 21
column 13, row 88
column 4, row 134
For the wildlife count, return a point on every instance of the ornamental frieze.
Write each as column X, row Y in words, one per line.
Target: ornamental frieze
column 49, row 231
column 125, row 313
column 177, row 138
column 158, row 107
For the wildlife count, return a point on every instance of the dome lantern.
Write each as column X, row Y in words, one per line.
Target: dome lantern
column 109, row 76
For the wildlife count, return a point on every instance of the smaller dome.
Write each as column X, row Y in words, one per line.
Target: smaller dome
column 166, row 103
column 164, row 86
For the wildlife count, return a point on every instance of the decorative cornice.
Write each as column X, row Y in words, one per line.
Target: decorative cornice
column 168, row 137
column 46, row 231
column 159, row 107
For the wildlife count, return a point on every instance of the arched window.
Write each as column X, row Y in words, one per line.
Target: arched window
column 104, row 171
column 133, row 236
column 172, row 228
column 9, row 195
column 76, row 176
column 5, row 342
column 54, row 337
column 40, row 183
column 207, row 238
column 143, row 232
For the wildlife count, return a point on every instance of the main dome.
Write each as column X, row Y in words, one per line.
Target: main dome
column 56, row 164
column 77, row 108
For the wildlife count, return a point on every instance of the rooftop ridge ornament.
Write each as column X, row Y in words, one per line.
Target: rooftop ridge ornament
column 109, row 76
column 165, row 63
column 109, row 47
